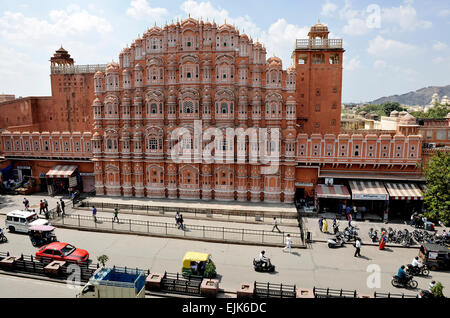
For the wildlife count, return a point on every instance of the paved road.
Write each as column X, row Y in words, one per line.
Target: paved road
column 317, row 266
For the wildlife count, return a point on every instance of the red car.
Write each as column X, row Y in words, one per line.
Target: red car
column 58, row 251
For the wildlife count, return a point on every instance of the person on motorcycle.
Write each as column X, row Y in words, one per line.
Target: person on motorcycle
column 263, row 259
column 415, row 262
column 402, row 276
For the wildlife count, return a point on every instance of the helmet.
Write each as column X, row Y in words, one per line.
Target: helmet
column 263, row 252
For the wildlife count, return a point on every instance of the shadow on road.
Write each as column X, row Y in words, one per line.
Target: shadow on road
column 365, row 257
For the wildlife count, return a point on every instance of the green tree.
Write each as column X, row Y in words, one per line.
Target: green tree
column 437, row 111
column 389, row 107
column 437, row 290
column 437, row 193
column 102, row 259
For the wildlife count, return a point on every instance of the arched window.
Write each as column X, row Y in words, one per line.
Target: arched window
column 188, row 107
column 224, row 108
column 153, row 108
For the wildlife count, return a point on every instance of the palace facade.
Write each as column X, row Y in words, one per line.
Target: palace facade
column 117, row 122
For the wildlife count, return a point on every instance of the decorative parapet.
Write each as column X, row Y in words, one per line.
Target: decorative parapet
column 359, row 149
column 62, row 145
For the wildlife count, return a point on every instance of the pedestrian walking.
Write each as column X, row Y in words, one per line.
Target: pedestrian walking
column 288, row 243
column 41, row 207
column 181, row 226
column 320, row 223
column 63, row 205
column 58, row 208
column 358, row 247
column 177, row 219
column 94, row 213
column 363, row 212
column 382, row 241
column 26, row 203
column 46, row 205
column 325, row 226
column 350, row 219
column 116, row 212
column 275, row 225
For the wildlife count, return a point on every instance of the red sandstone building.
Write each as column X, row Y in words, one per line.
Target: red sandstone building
column 110, row 127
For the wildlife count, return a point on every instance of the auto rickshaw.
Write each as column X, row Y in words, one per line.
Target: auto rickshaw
column 435, row 256
column 198, row 264
column 41, row 235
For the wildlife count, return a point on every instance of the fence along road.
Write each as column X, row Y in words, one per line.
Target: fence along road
column 194, row 232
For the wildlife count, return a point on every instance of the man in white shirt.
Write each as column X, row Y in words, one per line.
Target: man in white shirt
column 358, row 247
column 415, row 262
column 275, row 225
column 288, row 243
column 263, row 259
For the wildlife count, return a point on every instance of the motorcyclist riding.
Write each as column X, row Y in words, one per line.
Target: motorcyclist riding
column 402, row 276
column 263, row 259
column 415, row 262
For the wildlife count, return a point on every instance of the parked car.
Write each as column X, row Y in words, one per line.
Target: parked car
column 21, row 221
column 58, row 251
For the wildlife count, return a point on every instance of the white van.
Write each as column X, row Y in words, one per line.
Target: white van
column 20, row 221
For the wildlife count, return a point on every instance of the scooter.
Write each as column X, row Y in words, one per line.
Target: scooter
column 335, row 243
column 259, row 266
column 408, row 283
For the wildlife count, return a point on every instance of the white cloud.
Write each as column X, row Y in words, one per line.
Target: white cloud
column 17, row 28
column 140, row 9
column 405, row 17
column 444, row 13
column 356, row 26
column 328, row 8
column 386, row 47
column 352, row 64
column 440, row 46
column 379, row 64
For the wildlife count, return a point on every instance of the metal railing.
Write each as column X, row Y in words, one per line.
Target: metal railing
column 222, row 234
column 334, row 293
column 259, row 216
column 389, row 295
column 268, row 290
column 178, row 284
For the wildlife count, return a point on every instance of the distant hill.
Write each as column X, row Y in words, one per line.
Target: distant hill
column 420, row 97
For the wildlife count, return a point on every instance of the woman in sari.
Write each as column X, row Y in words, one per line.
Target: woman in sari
column 382, row 241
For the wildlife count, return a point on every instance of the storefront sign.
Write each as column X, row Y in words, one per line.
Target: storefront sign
column 380, row 197
column 300, row 184
column 86, row 174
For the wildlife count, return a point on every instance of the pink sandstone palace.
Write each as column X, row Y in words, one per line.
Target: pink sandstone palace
column 109, row 127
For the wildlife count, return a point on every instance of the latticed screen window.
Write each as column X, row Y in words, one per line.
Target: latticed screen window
column 153, row 108
column 318, row 58
column 188, row 107
column 153, row 144
column 224, row 108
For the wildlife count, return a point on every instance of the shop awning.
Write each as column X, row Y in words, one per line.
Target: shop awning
column 404, row 191
column 368, row 190
column 332, row 192
column 61, row 171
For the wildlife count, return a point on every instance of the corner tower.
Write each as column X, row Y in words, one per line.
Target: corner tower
column 318, row 63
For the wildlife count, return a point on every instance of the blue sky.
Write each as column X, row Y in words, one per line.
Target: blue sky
column 392, row 47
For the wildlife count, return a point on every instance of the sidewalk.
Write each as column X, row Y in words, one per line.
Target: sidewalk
column 363, row 227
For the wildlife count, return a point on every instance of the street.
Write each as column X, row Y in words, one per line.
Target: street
column 317, row 266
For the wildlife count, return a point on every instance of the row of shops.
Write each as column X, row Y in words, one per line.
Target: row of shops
column 57, row 180
column 370, row 199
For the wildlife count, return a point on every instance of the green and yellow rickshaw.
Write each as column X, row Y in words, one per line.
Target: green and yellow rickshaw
column 198, row 264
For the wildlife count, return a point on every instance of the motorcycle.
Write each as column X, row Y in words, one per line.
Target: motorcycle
column 337, row 242
column 3, row 238
column 408, row 283
column 417, row 271
column 259, row 266
column 373, row 234
column 350, row 234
